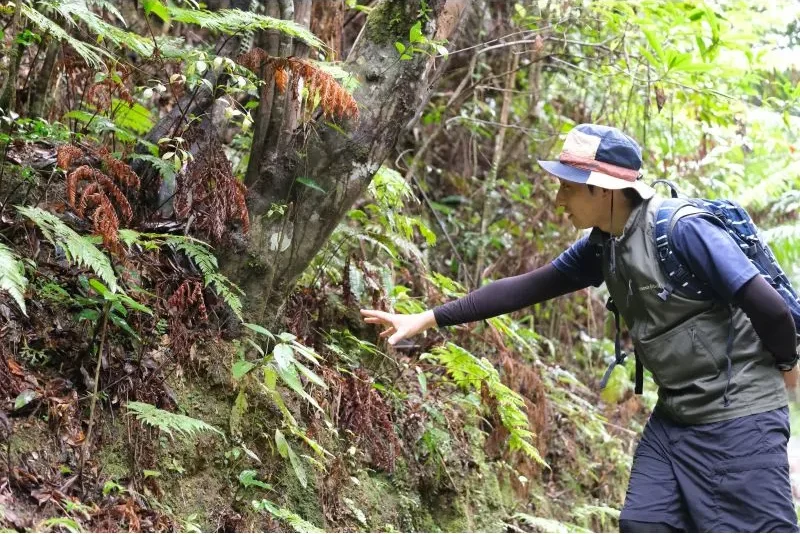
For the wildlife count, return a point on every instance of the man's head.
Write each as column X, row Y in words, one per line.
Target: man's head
column 595, row 161
column 588, row 206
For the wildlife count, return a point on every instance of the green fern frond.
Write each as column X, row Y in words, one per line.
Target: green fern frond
column 471, row 373
column 78, row 249
column 227, row 290
column 389, row 188
column 140, row 44
column 164, row 168
column 108, row 6
column 12, row 277
column 230, row 21
column 93, row 55
column 295, row 521
column 200, row 254
column 168, row 422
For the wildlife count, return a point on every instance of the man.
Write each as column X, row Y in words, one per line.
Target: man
column 713, row 454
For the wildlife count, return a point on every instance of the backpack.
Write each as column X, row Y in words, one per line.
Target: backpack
column 680, row 280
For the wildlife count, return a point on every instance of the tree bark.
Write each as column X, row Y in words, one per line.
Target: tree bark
column 391, row 91
column 41, row 96
column 8, row 95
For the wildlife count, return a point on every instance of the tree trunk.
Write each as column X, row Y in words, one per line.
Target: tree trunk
column 41, row 97
column 8, row 95
column 390, row 92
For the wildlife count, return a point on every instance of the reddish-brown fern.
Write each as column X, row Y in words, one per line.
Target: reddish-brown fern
column 99, row 192
column 185, row 306
column 209, row 190
column 334, row 99
column 66, row 155
column 101, row 93
column 364, row 413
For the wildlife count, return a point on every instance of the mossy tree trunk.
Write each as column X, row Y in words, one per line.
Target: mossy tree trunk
column 341, row 161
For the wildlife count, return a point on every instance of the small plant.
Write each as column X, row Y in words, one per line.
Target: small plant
column 471, row 373
column 169, row 422
column 12, row 276
column 78, row 249
column 292, row 519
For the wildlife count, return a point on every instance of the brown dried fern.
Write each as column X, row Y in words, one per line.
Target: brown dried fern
column 365, row 414
column 334, row 100
column 185, row 306
column 66, row 155
column 210, row 192
column 101, row 93
column 98, row 195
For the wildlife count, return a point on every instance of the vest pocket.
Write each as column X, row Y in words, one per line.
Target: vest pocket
column 681, row 357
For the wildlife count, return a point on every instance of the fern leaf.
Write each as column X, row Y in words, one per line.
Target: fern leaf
column 168, row 421
column 472, row 373
column 295, row 521
column 200, row 254
column 141, row 45
column 108, row 6
column 78, row 249
column 164, row 168
column 93, row 55
column 231, row 21
column 12, row 277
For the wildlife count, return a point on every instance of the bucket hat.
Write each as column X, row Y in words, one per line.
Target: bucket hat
column 602, row 156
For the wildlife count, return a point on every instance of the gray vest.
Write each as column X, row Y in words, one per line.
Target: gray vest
column 683, row 342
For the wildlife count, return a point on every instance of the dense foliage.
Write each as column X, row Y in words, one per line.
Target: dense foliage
column 145, row 144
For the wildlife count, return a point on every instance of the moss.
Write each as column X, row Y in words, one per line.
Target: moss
column 29, row 436
column 112, row 464
column 391, row 21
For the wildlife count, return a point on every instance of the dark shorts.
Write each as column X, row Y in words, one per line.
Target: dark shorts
column 731, row 476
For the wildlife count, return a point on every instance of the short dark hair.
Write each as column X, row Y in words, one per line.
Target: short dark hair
column 632, row 195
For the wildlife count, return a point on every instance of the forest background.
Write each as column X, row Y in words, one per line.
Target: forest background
column 197, row 198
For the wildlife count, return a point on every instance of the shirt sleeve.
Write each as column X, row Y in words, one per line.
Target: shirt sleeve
column 506, row 295
column 582, row 262
column 712, row 255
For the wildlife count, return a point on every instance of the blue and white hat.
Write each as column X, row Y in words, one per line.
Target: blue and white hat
column 601, row 156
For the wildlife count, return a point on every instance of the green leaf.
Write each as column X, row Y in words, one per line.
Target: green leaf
column 247, row 478
column 286, row 337
column 168, row 421
column 24, row 398
column 135, row 118
column 241, row 368
column 12, row 276
column 297, row 523
column 259, row 330
column 299, row 470
column 77, row 249
column 233, row 21
column 149, row 473
column 415, row 33
column 67, row 523
column 423, row 381
column 308, row 182
column 653, row 40
column 311, row 375
column 157, row 8
column 281, row 443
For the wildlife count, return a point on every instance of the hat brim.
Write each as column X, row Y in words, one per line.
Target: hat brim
column 598, row 179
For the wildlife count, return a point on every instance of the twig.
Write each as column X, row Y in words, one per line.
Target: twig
column 87, row 440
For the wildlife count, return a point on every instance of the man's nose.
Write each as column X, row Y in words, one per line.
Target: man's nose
column 560, row 199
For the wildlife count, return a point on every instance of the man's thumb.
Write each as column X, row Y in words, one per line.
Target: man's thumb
column 397, row 336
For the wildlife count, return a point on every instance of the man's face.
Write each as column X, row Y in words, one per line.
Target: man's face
column 581, row 205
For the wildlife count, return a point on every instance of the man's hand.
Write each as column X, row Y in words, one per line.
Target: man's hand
column 400, row 326
column 790, row 378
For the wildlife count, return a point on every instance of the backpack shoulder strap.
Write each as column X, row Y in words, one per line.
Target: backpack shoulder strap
column 679, row 277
